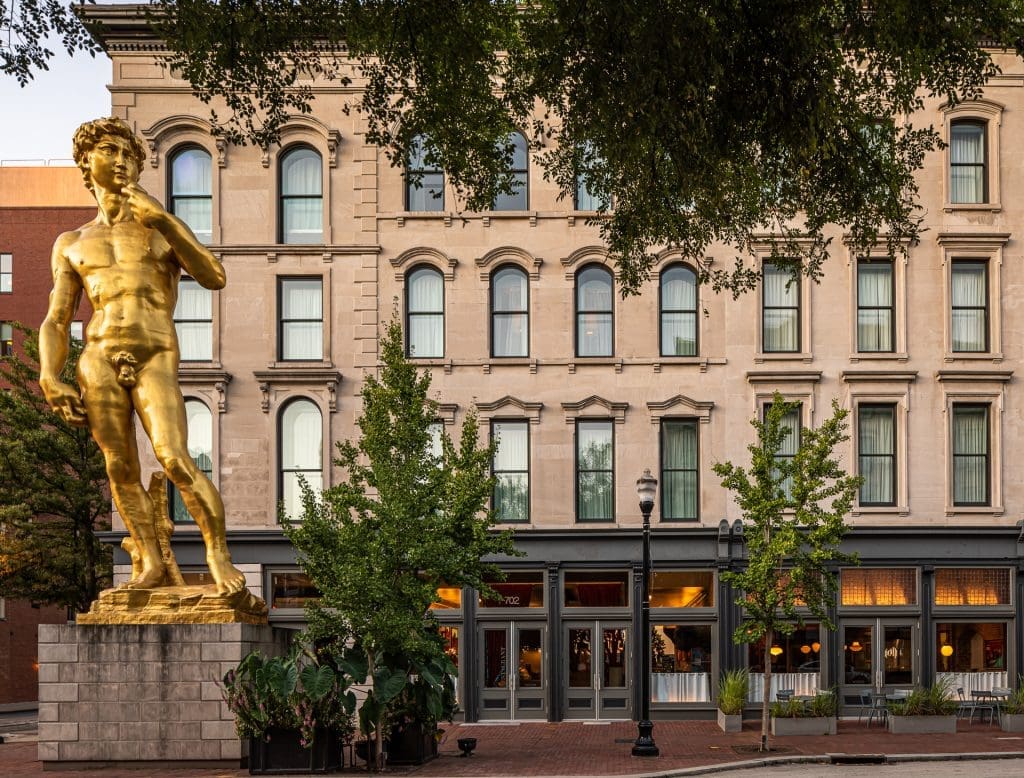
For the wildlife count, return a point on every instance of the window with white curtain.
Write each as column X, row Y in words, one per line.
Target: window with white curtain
column 192, row 190
column 679, row 490
column 302, row 201
column 510, row 317
column 424, row 305
column 595, row 482
column 511, row 469
column 968, row 177
column 519, row 198
column 424, row 181
column 193, row 321
column 594, row 312
column 876, row 451
column 791, row 442
column 301, row 319
column 6, row 339
column 969, row 297
column 780, row 308
column 6, row 273
column 678, row 298
column 876, row 306
column 300, row 453
column 971, row 485
column 199, row 423
column 77, row 331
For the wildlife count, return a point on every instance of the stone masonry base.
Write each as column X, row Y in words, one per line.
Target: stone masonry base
column 142, row 693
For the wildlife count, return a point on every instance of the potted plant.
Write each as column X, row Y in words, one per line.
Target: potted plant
column 816, row 716
column 295, row 711
column 732, row 696
column 925, row 710
column 1011, row 716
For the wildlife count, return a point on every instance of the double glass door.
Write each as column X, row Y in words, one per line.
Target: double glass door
column 513, row 672
column 881, row 654
column 598, row 656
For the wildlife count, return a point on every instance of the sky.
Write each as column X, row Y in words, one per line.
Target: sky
column 39, row 119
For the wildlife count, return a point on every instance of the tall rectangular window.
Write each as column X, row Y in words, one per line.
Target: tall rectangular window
column 193, row 321
column 876, row 451
column 791, row 442
column 511, row 468
column 969, row 297
column 6, row 273
column 595, row 482
column 77, row 331
column 876, row 315
column 967, row 178
column 780, row 308
column 6, row 339
column 679, row 493
column 301, row 324
column 971, row 465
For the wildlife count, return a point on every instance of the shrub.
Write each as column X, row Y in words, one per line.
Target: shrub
column 732, row 691
column 929, row 701
column 823, row 705
column 1015, row 702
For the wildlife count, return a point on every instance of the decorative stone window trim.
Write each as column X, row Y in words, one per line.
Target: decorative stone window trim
column 510, row 407
column 509, row 255
column 280, row 384
column 763, row 253
column 587, row 255
column 681, row 406
column 899, row 273
column 172, row 131
column 987, row 246
column 294, row 126
column 990, row 113
column 424, row 255
column 596, row 407
column 975, row 387
column 211, row 383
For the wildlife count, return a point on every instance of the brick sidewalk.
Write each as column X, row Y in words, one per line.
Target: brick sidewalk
column 576, row 749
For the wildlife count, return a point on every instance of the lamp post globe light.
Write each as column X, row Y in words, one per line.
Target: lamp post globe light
column 646, row 488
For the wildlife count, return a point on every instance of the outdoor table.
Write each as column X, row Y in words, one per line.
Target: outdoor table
column 989, row 695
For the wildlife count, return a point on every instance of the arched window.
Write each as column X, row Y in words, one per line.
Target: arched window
column 199, row 422
column 300, row 453
column 594, row 312
column 302, row 201
column 424, row 305
column 968, row 177
column 192, row 190
column 510, row 313
column 678, row 299
column 424, row 184
column 519, row 199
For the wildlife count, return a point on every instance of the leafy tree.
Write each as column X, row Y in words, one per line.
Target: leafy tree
column 795, row 510
column 378, row 544
column 53, row 492
column 703, row 122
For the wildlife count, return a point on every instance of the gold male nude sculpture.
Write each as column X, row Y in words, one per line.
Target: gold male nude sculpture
column 128, row 261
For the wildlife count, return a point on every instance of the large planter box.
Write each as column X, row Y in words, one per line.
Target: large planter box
column 732, row 722
column 808, row 725
column 922, row 725
column 283, row 754
column 1011, row 722
column 412, row 744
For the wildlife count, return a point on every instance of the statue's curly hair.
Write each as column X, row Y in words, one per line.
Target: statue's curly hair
column 89, row 134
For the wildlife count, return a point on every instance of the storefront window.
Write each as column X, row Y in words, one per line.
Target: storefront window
column 291, row 590
column 679, row 589
column 448, row 598
column 517, row 590
column 972, row 586
column 971, row 656
column 450, row 635
column 681, row 668
column 879, row 587
column 796, row 663
column 596, row 590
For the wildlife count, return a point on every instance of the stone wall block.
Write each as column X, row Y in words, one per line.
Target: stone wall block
column 181, row 730
column 85, row 750
column 211, row 690
column 54, row 731
column 96, row 730
column 233, row 749
column 57, row 652
column 184, row 691
column 218, row 730
column 49, row 673
column 58, row 692
column 139, row 730
column 141, row 692
column 219, row 652
column 47, row 752
column 99, row 692
column 48, row 711
column 126, row 750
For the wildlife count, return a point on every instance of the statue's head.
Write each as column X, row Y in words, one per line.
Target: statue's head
column 91, row 133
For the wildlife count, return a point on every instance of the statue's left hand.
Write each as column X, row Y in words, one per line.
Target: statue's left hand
column 145, row 209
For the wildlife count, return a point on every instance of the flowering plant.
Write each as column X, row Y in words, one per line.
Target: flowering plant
column 298, row 691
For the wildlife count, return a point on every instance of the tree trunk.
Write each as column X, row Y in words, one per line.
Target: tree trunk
column 375, row 744
column 769, row 636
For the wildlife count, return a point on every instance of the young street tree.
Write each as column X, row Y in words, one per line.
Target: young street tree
column 794, row 510
column 404, row 521
column 703, row 122
column 53, row 493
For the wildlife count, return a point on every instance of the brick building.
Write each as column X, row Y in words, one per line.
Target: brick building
column 36, row 205
column 515, row 311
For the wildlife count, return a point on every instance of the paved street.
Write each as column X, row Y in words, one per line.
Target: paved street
column 1004, row 768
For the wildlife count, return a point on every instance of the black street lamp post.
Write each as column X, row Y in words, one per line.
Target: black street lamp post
column 646, row 488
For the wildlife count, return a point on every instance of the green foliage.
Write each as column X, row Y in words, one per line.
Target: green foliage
column 378, row 544
column 733, row 687
column 823, row 705
column 929, row 701
column 1015, row 702
column 53, row 492
column 300, row 691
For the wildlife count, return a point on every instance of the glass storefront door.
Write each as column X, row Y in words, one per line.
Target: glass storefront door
column 880, row 654
column 513, row 673
column 597, row 671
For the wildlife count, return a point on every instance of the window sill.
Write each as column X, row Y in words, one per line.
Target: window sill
column 990, row 207
column 981, row 510
column 975, row 356
column 578, row 362
column 881, row 510
column 300, row 364
column 886, row 356
column 788, row 356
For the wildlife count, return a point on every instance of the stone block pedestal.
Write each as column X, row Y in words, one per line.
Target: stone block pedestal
column 142, row 693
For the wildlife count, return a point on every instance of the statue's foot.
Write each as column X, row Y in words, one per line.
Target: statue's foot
column 150, row 578
column 228, row 577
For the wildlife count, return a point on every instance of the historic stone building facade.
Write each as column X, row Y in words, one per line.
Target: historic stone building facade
column 516, row 313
